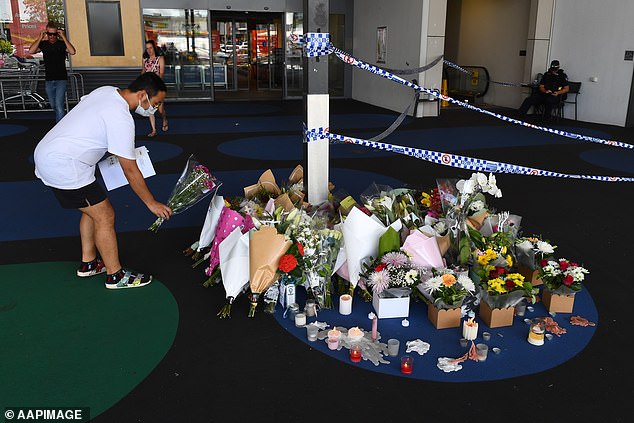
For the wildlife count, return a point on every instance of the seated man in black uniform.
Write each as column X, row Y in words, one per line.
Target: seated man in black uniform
column 551, row 90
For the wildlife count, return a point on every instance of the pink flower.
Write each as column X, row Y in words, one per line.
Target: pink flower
column 394, row 259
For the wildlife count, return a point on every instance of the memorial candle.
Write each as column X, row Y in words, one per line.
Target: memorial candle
column 375, row 328
column 470, row 329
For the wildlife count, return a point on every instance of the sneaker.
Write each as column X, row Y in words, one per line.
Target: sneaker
column 91, row 268
column 126, row 279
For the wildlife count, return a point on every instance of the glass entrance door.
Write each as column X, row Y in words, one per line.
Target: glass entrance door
column 249, row 51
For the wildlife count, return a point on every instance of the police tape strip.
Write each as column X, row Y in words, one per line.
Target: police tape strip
column 454, row 160
column 314, row 46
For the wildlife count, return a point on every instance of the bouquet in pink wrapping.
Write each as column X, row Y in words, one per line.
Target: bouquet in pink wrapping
column 229, row 220
column 423, row 250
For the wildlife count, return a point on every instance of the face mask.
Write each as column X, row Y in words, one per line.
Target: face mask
column 145, row 112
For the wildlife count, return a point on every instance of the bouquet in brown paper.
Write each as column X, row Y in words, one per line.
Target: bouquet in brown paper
column 295, row 188
column 265, row 188
column 266, row 247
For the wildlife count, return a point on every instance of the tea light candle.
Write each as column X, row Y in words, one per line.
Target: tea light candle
column 300, row 320
column 345, row 304
column 355, row 353
column 407, row 364
column 334, row 333
column 470, row 329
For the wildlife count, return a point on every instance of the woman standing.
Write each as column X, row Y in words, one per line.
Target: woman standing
column 154, row 62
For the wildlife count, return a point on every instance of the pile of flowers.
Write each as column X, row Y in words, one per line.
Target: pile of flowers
column 446, row 289
column 398, row 239
column 562, row 276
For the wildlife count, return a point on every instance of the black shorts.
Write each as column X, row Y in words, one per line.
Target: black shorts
column 81, row 197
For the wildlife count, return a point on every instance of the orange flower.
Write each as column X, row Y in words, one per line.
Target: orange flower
column 448, row 280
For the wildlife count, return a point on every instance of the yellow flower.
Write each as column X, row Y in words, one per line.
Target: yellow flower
column 426, row 200
column 509, row 260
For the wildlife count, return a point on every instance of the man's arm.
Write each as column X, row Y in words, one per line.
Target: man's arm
column 35, row 45
column 135, row 178
column 69, row 47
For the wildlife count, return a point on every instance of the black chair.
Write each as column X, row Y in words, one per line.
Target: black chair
column 571, row 98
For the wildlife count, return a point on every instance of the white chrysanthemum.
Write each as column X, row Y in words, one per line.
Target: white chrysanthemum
column 525, row 245
column 545, row 248
column 466, row 283
column 477, row 205
column 432, row 284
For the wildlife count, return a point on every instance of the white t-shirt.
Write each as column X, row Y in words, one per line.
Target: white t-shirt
column 101, row 122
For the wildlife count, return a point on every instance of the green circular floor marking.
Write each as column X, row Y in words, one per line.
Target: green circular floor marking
column 70, row 342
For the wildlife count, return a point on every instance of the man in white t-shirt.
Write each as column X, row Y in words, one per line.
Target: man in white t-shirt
column 66, row 158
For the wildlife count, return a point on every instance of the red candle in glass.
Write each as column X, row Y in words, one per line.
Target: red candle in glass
column 407, row 365
column 355, row 353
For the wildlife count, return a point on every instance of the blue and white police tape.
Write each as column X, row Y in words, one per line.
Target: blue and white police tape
column 345, row 57
column 454, row 160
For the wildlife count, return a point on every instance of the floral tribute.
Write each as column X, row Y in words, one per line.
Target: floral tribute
column 562, row 276
column 393, row 268
column 195, row 183
column 446, row 289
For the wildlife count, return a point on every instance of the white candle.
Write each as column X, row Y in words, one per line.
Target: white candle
column 345, row 304
column 470, row 330
column 300, row 320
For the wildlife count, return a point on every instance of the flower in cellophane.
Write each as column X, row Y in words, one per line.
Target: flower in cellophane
column 195, row 183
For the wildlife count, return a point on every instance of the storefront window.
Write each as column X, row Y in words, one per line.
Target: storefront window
column 22, row 22
column 183, row 37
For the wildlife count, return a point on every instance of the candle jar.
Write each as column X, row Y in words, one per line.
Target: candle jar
column 333, row 343
column 293, row 309
column 407, row 364
column 345, row 304
column 355, row 353
column 536, row 331
column 311, row 332
column 520, row 308
column 310, row 308
column 300, row 320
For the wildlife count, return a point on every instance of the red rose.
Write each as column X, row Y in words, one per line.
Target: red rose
column 287, row 263
column 509, row 284
column 543, row 263
column 500, row 270
column 493, row 274
column 380, row 267
column 563, row 265
column 568, row 280
column 300, row 248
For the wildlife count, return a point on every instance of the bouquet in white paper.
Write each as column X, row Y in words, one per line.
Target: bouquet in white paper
column 194, row 184
column 234, row 267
